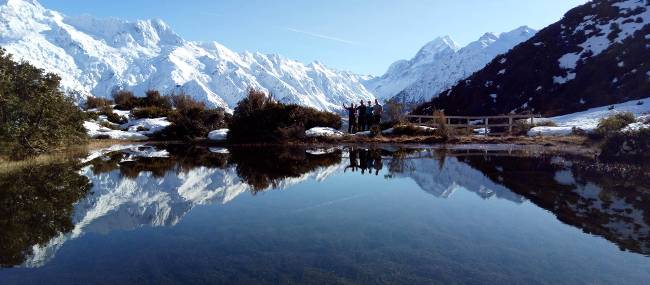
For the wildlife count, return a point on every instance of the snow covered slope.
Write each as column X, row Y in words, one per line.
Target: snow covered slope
column 96, row 56
column 598, row 54
column 442, row 63
column 588, row 120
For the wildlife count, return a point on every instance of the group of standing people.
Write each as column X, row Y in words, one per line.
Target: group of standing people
column 363, row 117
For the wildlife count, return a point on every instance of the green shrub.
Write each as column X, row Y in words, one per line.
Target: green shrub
column 545, row 123
column 375, row 131
column 258, row 118
column 94, row 102
column 112, row 116
column 410, row 130
column 615, row 123
column 35, row 116
column 92, row 115
column 151, row 112
column 627, row 147
column 522, row 127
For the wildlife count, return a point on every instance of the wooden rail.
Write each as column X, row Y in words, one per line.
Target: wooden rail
column 474, row 122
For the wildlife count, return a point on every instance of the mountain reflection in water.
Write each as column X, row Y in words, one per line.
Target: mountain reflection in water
column 132, row 186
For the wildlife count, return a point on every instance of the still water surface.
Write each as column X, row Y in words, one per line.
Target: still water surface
column 388, row 215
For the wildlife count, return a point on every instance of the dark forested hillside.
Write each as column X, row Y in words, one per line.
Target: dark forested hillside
column 598, row 54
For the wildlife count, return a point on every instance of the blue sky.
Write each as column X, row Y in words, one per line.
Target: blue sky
column 363, row 36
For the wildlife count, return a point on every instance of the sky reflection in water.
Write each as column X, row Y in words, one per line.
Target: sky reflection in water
column 182, row 214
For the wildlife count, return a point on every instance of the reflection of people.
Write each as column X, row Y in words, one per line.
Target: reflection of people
column 363, row 160
column 351, row 117
column 353, row 160
column 377, row 161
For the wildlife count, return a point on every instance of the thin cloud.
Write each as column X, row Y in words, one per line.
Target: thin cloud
column 321, row 36
column 210, row 14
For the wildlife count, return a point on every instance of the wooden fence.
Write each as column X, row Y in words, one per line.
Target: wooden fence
column 470, row 123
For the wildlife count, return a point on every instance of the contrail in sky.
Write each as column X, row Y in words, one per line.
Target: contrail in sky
column 321, row 36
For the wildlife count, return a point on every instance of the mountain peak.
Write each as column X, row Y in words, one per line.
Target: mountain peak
column 440, row 64
column 440, row 44
column 32, row 4
column 525, row 31
column 433, row 48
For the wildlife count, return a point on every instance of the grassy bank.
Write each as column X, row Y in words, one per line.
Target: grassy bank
column 9, row 164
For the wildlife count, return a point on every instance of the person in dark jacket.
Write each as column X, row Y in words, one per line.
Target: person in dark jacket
column 362, row 117
column 377, row 112
column 351, row 117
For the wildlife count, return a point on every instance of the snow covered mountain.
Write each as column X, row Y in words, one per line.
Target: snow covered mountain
column 96, row 56
column 440, row 64
column 597, row 55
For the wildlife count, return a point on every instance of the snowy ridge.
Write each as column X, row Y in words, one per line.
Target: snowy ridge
column 96, row 56
column 442, row 63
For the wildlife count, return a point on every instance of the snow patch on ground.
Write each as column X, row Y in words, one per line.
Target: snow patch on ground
column 564, row 79
column 323, row 132
column 94, row 130
column 150, row 126
column 550, row 131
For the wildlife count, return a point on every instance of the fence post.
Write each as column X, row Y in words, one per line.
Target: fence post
column 487, row 120
column 510, row 125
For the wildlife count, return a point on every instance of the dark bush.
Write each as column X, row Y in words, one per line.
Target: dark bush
column 94, row 102
column 151, row 112
column 124, row 100
column 627, row 147
column 154, row 99
column 112, row 116
column 258, row 118
column 192, row 120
